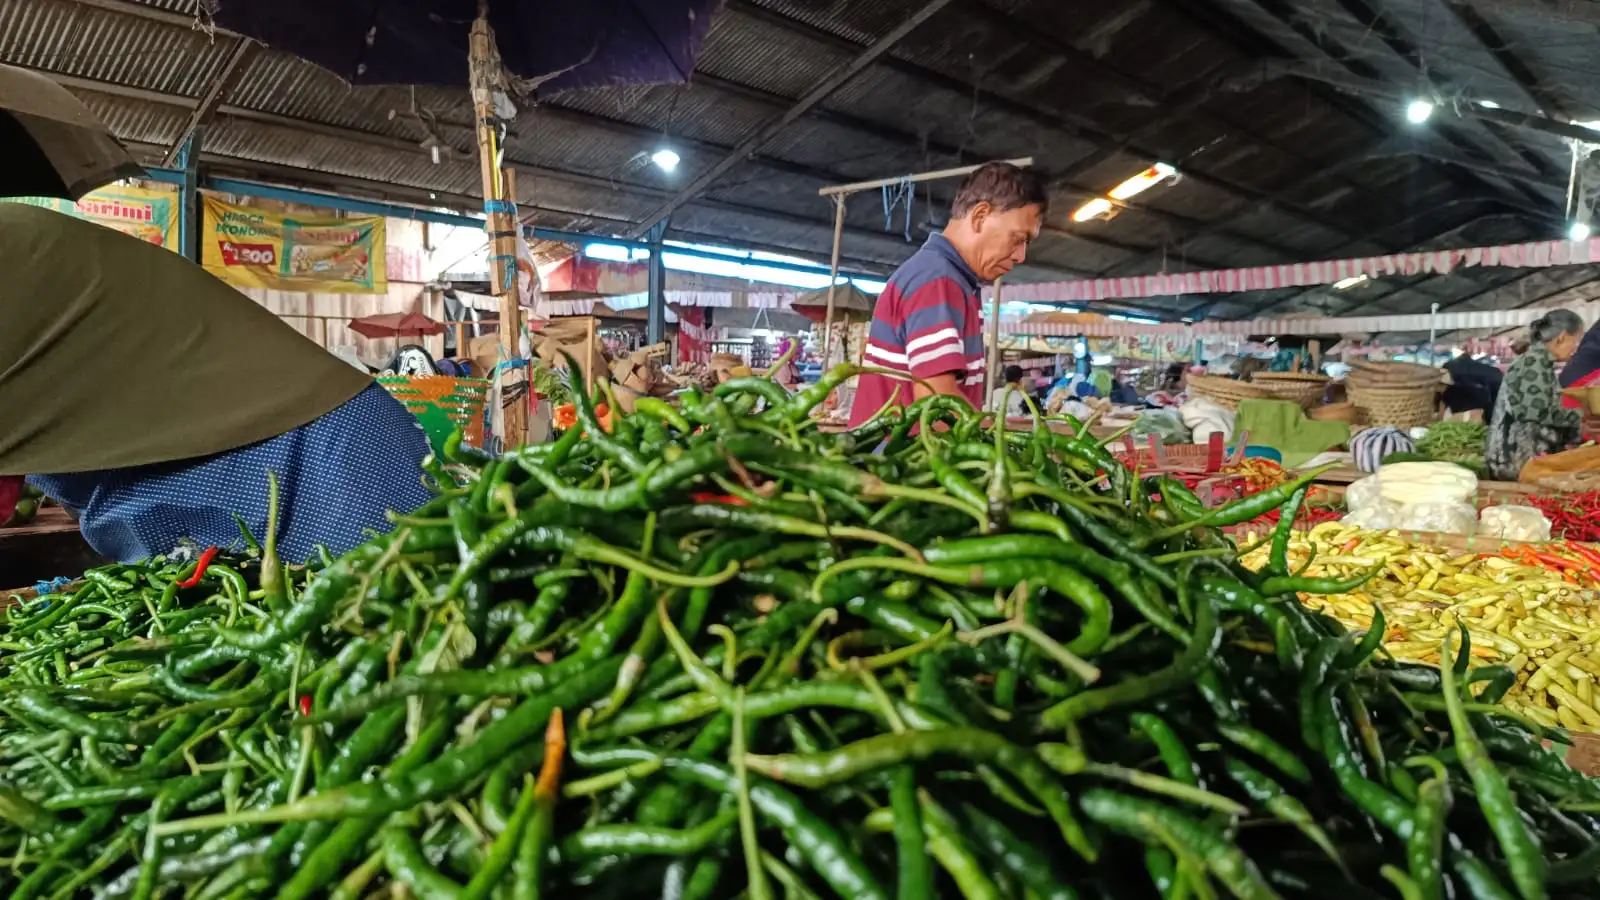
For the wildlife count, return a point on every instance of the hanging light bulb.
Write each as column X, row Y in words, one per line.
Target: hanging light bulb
column 665, row 158
column 1419, row 111
column 1579, row 231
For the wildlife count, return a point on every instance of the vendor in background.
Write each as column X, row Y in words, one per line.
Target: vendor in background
column 1010, row 395
column 928, row 322
column 152, row 399
column 1528, row 420
column 1583, row 369
column 786, row 374
column 1474, row 384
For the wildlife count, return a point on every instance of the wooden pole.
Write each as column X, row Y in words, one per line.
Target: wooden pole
column 500, row 214
column 588, row 354
column 833, row 279
column 844, row 189
column 990, row 367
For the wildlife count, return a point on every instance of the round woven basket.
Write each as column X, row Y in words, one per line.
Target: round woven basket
column 1304, row 388
column 1402, row 407
column 1225, row 392
column 1371, row 374
column 1335, row 412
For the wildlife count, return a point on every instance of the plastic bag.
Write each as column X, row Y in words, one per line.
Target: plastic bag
column 1514, row 523
column 1450, row 518
column 1377, row 516
column 1166, row 423
column 1363, row 493
column 1205, row 417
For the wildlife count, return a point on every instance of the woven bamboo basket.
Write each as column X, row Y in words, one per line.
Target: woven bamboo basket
column 1225, row 392
column 1402, row 407
column 1336, row 412
column 1385, row 375
column 1304, row 388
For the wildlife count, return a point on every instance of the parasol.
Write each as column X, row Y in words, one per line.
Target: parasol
column 557, row 46
column 396, row 325
column 850, row 304
column 56, row 146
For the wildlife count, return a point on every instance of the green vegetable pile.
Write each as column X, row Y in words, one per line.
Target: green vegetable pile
column 1457, row 442
column 715, row 654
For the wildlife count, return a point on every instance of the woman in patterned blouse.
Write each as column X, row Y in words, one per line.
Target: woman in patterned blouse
column 1528, row 418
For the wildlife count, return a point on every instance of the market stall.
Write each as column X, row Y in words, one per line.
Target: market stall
column 704, row 662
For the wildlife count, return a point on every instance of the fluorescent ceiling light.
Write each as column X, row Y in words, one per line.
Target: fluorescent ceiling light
column 1130, row 188
column 1094, row 209
column 1488, row 104
column 1143, row 181
column 665, row 158
column 1345, row 284
column 1419, row 111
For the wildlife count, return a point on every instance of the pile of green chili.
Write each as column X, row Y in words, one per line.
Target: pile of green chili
column 713, row 653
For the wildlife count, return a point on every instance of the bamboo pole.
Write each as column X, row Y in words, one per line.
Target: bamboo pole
column 500, row 215
column 588, row 354
column 833, row 281
column 854, row 187
column 991, row 364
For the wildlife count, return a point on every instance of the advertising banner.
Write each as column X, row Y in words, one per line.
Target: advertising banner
column 254, row 248
column 1147, row 347
column 147, row 214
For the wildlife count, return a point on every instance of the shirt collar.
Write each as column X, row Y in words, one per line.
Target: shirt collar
column 941, row 245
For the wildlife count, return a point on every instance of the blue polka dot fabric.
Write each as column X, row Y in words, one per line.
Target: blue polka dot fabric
column 338, row 476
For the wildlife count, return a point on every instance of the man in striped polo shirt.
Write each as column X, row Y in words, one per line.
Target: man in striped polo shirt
column 929, row 319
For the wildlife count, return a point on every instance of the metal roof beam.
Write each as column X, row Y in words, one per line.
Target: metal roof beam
column 1152, row 95
column 1059, row 181
column 1372, row 87
column 1392, row 35
column 211, row 101
column 387, row 142
column 1579, row 12
column 824, row 89
column 1533, row 90
column 1563, row 286
column 1058, row 121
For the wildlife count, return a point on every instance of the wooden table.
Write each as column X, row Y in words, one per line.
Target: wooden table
column 49, row 546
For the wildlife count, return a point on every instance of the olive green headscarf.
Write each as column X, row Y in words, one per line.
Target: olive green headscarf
column 115, row 352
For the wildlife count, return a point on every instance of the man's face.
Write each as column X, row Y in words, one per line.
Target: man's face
column 1002, row 238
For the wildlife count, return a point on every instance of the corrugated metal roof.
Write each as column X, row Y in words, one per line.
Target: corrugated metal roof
column 1277, row 170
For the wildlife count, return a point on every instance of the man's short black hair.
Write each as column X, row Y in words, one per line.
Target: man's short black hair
column 1013, row 374
column 1004, row 186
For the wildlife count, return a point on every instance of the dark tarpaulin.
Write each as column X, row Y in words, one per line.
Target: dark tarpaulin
column 590, row 43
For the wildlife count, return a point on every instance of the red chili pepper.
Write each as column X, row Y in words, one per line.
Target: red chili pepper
column 723, row 499
column 200, row 568
column 1588, row 553
column 1554, row 561
column 305, row 704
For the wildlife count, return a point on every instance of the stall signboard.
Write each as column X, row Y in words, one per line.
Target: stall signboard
column 251, row 247
column 1146, row 347
column 149, row 214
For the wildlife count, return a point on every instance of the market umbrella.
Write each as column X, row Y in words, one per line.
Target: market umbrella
column 396, row 325
column 55, row 147
column 556, row 45
column 850, row 304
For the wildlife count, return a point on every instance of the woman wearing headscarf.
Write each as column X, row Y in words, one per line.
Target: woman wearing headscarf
column 152, row 400
column 1583, row 369
column 1528, row 418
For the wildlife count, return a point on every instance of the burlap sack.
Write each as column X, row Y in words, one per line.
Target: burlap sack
column 1574, row 470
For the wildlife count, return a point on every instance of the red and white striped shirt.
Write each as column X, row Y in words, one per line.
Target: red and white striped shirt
column 928, row 322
